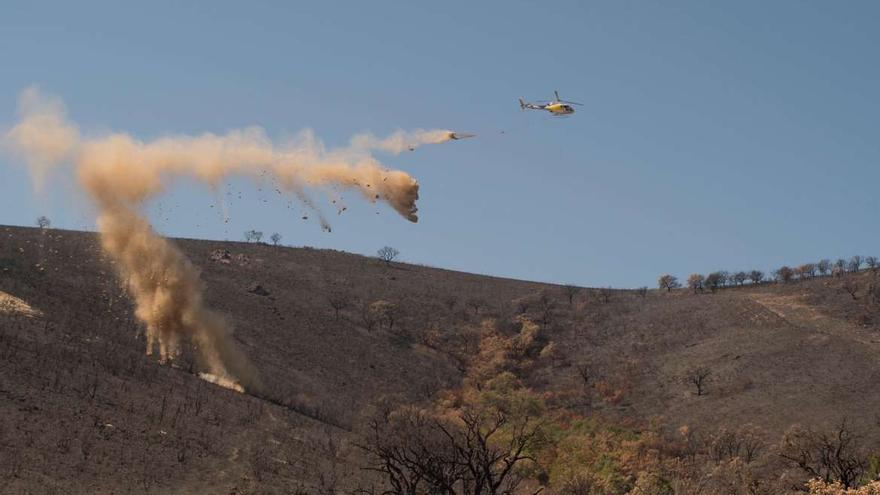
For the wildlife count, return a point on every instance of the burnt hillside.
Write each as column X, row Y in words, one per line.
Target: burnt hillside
column 83, row 409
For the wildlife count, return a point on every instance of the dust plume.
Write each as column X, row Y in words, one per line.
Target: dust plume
column 120, row 172
column 401, row 141
column 43, row 138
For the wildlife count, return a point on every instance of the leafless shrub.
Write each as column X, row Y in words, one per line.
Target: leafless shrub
column 587, row 373
column 604, row 295
column 873, row 294
column 64, row 441
column 450, row 301
column 571, row 291
column 728, row 444
column 545, row 308
column 367, row 317
column 182, row 449
column 851, row 287
column 86, row 444
column 259, row 462
column 724, row 445
column 752, row 445
column 698, row 377
column 419, row 453
column 387, row 254
column 522, row 305
column 385, row 312
column 475, row 303
column 330, row 474
column 253, row 236
column 831, row 456
column 339, row 299
column 642, row 292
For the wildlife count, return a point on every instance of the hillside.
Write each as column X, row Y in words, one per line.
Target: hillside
column 84, row 411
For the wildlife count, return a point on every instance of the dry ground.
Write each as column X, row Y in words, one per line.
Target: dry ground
column 83, row 410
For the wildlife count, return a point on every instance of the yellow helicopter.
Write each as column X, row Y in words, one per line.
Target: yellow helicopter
column 557, row 107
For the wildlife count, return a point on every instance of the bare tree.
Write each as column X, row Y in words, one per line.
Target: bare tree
column 339, row 299
column 253, row 236
column 668, row 282
column 521, row 305
column 545, row 307
column 851, row 287
column 725, row 444
column 586, row 374
column 275, row 238
column 824, row 267
column 855, row 263
column 756, row 276
column 450, row 301
column 831, row 456
column 260, row 462
column 387, row 254
column 475, row 303
column 43, row 222
column 698, row 377
column 715, row 280
column 695, row 282
column 367, row 317
column 872, row 263
column 744, row 443
column 784, row 274
column 806, row 271
column 571, row 290
column 475, row 453
column 604, row 295
column 752, row 445
column 873, row 293
column 642, row 291
column 740, row 278
column 839, row 267
column 385, row 312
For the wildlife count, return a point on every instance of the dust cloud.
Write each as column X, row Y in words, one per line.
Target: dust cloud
column 401, row 141
column 120, row 172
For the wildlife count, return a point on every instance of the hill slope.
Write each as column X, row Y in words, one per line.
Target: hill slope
column 84, row 410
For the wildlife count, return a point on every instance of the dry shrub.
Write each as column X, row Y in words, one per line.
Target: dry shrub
column 819, row 487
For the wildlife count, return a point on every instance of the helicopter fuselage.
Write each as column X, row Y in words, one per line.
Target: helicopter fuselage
column 559, row 108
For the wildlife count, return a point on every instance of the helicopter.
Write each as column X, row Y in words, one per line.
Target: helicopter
column 557, row 107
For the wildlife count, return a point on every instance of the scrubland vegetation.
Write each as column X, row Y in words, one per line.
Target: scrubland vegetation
column 382, row 377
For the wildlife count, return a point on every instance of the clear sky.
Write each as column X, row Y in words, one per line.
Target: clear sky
column 732, row 135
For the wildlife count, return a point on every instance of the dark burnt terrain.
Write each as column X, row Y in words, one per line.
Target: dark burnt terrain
column 83, row 410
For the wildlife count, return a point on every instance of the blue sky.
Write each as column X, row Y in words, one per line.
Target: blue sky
column 713, row 136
